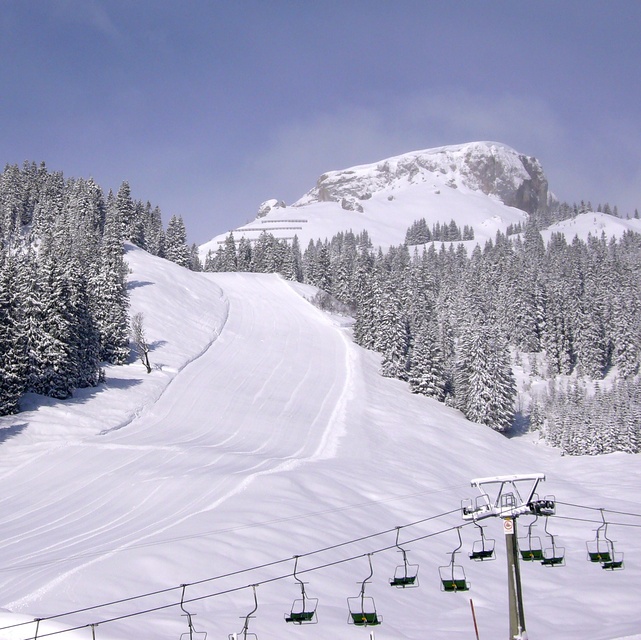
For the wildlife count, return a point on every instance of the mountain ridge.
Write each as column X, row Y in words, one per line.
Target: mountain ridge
column 490, row 167
column 486, row 185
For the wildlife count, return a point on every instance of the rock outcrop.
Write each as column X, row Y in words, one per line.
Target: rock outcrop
column 493, row 168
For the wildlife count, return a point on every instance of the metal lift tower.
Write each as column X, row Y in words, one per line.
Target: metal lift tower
column 508, row 497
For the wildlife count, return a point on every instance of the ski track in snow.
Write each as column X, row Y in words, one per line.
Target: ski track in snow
column 319, row 442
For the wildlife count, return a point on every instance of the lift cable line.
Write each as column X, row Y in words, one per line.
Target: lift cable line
column 581, row 506
column 239, row 572
column 226, row 591
column 616, row 524
column 505, row 502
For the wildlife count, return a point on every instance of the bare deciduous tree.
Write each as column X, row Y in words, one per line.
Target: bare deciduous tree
column 139, row 340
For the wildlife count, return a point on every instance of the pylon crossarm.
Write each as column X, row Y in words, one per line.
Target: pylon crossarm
column 502, row 496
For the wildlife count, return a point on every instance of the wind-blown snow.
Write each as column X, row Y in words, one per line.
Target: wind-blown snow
column 263, row 433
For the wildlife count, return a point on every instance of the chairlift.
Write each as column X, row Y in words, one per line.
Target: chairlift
column 544, row 507
column 601, row 549
column 405, row 575
column 482, row 549
column 453, row 575
column 244, row 632
column 192, row 633
column 304, row 608
column 362, row 611
column 553, row 556
column 530, row 546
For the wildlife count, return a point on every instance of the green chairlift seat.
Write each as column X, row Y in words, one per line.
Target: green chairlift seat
column 362, row 611
column 304, row 608
column 601, row 549
column 449, row 584
column 453, row 575
column 365, row 619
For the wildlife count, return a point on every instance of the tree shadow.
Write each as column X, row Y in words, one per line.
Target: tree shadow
column 135, row 284
column 34, row 401
column 520, row 425
column 156, row 343
column 10, row 432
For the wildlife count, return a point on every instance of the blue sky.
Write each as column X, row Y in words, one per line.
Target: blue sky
column 208, row 108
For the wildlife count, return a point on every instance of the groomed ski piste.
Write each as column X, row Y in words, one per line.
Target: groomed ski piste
column 264, row 433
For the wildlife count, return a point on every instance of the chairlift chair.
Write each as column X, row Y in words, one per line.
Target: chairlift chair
column 530, row 546
column 601, row 549
column 553, row 556
column 482, row 549
column 452, row 575
column 192, row 634
column 405, row 575
column 304, row 608
column 362, row 611
column 244, row 632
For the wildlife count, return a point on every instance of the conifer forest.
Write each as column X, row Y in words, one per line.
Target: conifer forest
column 63, row 279
column 457, row 325
column 458, row 322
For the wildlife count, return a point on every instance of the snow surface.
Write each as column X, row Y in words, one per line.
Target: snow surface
column 592, row 223
column 264, row 432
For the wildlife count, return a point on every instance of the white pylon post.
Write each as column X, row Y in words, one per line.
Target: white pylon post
column 515, row 593
column 500, row 497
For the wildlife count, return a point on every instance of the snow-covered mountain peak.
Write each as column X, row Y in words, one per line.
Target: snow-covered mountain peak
column 487, row 186
column 490, row 167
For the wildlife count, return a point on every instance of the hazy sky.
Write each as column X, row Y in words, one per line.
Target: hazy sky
column 209, row 107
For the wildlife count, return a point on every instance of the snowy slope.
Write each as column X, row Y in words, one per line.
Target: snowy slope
column 264, row 433
column 592, row 223
column 470, row 183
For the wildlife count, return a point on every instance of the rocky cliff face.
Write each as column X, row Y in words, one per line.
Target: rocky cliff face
column 495, row 169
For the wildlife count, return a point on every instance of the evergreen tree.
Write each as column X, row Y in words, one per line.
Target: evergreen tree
column 427, row 369
column 176, row 248
column 13, row 361
column 229, row 259
column 110, row 300
column 485, row 387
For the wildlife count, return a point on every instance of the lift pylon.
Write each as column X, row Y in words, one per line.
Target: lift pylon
column 508, row 497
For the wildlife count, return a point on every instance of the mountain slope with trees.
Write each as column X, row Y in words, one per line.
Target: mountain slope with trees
column 63, row 278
